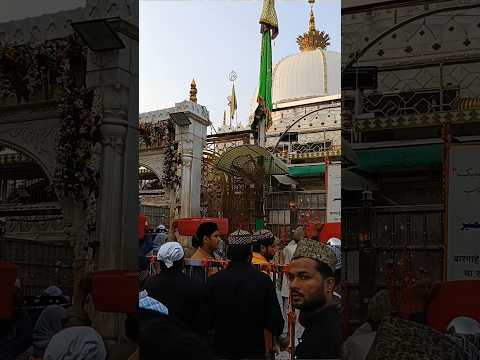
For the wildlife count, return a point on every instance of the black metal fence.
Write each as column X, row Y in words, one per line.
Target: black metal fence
column 287, row 209
column 414, row 233
column 156, row 215
column 40, row 264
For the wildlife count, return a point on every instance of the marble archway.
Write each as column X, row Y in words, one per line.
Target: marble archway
column 32, row 130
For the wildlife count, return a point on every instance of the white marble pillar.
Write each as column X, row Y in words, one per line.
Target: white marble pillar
column 334, row 192
column 191, row 139
column 114, row 75
column 186, row 187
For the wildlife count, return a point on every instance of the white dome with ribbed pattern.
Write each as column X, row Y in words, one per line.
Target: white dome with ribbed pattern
column 305, row 75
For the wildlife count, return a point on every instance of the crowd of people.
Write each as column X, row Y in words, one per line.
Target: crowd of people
column 59, row 332
column 242, row 310
column 258, row 301
column 386, row 334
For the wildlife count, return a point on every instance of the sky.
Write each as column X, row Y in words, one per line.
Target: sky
column 207, row 39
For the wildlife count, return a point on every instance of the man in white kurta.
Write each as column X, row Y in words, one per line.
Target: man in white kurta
column 288, row 252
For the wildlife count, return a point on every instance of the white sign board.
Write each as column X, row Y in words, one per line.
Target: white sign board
column 463, row 252
column 334, row 193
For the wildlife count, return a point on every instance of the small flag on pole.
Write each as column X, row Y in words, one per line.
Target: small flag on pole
column 233, row 103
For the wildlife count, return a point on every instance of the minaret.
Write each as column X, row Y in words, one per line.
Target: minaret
column 193, row 91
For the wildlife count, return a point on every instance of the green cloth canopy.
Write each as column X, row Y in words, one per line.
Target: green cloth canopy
column 399, row 158
column 246, row 157
column 306, row 170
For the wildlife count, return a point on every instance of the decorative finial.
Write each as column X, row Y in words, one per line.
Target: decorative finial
column 313, row 39
column 193, row 91
column 312, row 28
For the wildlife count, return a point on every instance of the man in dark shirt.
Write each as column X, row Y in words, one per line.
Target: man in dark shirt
column 243, row 303
column 186, row 299
column 311, row 279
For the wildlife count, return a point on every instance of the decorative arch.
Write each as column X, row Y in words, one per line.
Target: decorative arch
column 33, row 129
column 46, row 164
column 364, row 50
column 154, row 164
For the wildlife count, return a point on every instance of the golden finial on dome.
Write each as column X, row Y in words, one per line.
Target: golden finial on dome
column 313, row 39
column 193, row 91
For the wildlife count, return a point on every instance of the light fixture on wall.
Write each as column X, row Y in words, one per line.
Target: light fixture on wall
column 99, row 35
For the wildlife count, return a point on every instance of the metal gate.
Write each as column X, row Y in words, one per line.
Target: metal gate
column 287, row 209
column 227, row 195
column 156, row 215
column 41, row 264
column 411, row 232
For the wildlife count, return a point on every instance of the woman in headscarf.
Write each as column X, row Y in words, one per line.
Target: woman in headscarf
column 49, row 323
column 76, row 343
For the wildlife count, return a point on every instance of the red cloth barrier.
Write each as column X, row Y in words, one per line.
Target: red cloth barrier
column 453, row 299
column 141, row 226
column 8, row 275
column 189, row 226
column 115, row 291
column 330, row 230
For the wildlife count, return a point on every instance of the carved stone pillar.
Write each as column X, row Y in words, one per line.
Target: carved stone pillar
column 114, row 74
column 186, row 188
column 191, row 139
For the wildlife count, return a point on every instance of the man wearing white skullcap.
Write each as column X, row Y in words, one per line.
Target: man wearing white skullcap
column 169, row 253
column 464, row 325
column 336, row 245
column 185, row 298
column 465, row 332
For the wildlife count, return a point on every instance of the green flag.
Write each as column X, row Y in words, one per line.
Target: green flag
column 269, row 30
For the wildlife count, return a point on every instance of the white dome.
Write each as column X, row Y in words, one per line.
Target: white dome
column 302, row 76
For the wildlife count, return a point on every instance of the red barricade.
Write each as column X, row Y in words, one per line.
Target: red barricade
column 330, row 230
column 141, row 226
column 189, row 226
column 115, row 291
column 453, row 299
column 8, row 275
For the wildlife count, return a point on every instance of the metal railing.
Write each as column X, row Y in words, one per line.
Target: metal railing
column 306, row 151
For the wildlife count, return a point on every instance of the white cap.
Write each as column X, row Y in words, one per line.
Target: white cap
column 53, row 291
column 464, row 325
column 334, row 241
column 336, row 245
column 170, row 252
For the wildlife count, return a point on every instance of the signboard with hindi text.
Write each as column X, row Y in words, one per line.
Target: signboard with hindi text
column 334, row 193
column 463, row 253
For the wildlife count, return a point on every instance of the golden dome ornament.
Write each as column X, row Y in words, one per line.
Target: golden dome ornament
column 313, row 39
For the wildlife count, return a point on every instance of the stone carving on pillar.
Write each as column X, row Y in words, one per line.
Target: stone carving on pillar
column 116, row 143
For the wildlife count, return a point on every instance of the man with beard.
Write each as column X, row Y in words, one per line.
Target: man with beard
column 311, row 279
column 264, row 247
